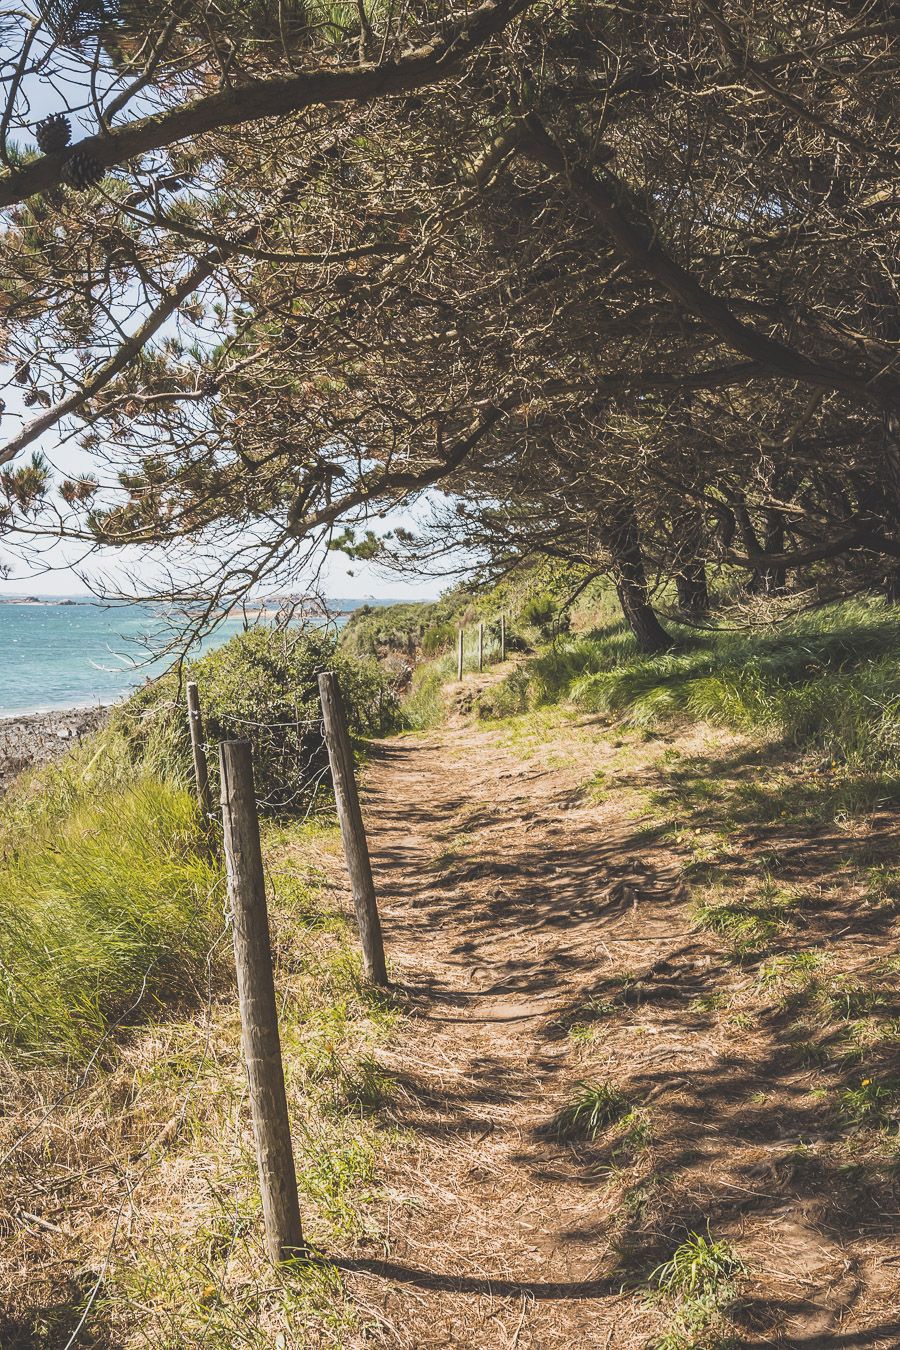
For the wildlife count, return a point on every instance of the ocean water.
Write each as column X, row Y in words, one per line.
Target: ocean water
column 84, row 653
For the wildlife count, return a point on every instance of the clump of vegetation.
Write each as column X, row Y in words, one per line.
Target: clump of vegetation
column 102, row 912
column 700, row 1275
column 427, row 626
column 748, row 923
column 543, row 613
column 424, row 705
column 698, row 1265
column 592, row 1109
column 870, row 1102
column 262, row 685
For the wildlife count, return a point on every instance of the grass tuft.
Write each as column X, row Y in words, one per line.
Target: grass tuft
column 594, row 1106
column 699, row 1265
column 870, row 1102
column 700, row 1275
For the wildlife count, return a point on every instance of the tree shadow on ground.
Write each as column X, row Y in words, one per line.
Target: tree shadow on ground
column 743, row 1126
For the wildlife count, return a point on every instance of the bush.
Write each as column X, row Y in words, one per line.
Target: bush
column 539, row 612
column 378, row 630
column 262, row 685
column 438, row 638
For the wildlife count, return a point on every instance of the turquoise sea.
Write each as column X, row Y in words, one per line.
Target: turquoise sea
column 84, row 652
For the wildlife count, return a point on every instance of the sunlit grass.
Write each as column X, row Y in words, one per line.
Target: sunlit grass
column 102, row 914
column 828, row 679
column 592, row 1108
column 700, row 1276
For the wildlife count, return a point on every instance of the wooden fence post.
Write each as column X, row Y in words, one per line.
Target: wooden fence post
column 502, row 637
column 480, row 647
column 356, row 850
column 198, row 750
column 459, row 655
column 256, row 996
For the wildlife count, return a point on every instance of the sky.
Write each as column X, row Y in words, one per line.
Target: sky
column 366, row 583
column 340, row 577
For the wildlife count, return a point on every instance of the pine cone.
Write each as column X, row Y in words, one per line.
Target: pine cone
column 53, row 133
column 209, row 385
column 83, row 171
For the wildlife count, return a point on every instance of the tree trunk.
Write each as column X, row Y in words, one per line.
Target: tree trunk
column 885, row 319
column 892, row 481
column 763, row 580
column 690, row 579
column 620, row 537
column 693, row 592
column 773, row 579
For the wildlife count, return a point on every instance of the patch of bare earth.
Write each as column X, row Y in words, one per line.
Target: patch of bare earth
column 542, row 933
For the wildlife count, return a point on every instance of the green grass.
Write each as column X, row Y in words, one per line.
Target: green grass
column 699, row 1265
column 102, row 915
column 109, row 899
column 870, row 1102
column 699, row 1276
column 425, row 705
column 593, row 1107
column 191, row 1268
column 828, row 679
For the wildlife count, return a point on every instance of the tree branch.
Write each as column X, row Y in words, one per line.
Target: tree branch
column 430, row 64
column 638, row 242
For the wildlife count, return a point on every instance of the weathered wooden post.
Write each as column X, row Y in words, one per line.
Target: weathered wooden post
column 480, row 647
column 198, row 750
column 256, row 997
column 356, row 850
column 459, row 655
column 502, row 637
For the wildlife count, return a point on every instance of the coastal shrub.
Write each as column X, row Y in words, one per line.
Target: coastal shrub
column 439, row 638
column 829, row 678
column 101, row 913
column 540, row 612
column 377, row 630
column 261, row 686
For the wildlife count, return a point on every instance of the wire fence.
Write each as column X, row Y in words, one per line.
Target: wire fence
column 290, row 758
column 295, row 777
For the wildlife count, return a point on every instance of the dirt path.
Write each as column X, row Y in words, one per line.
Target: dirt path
column 501, row 897
column 541, row 935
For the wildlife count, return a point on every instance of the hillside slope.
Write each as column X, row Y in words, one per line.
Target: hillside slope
column 636, row 1084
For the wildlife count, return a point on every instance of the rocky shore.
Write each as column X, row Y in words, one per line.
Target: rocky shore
column 38, row 738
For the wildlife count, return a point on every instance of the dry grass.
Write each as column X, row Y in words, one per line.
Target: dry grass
column 129, row 1196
